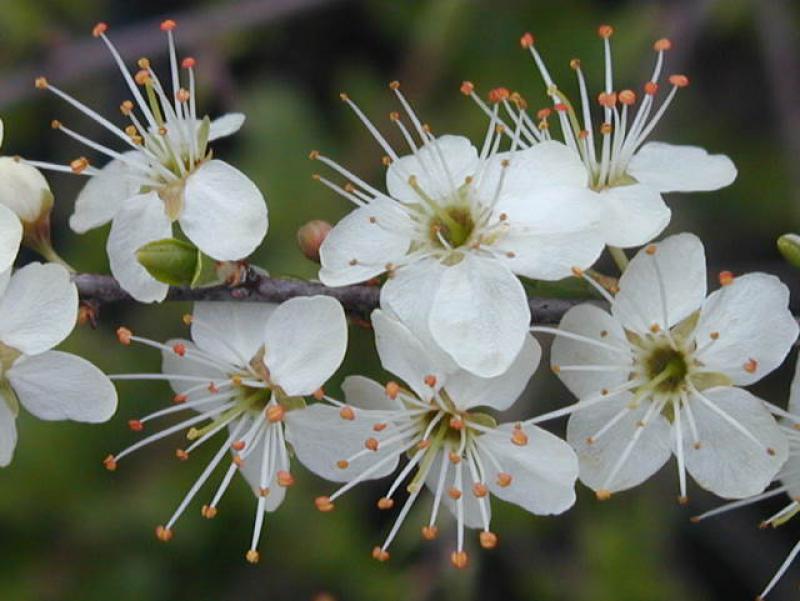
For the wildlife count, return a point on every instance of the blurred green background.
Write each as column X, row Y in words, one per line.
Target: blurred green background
column 70, row 531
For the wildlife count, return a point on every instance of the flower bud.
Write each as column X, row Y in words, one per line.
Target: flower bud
column 311, row 236
column 24, row 190
column 789, row 247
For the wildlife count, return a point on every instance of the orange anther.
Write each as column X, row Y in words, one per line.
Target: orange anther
column 237, row 461
column 135, row 425
column 188, row 62
column 504, row 479
column 347, row 413
column 424, row 443
column 456, row 423
column 605, row 31
column 380, row 554
column 459, row 559
column 371, row 444
column 124, row 336
column 603, row 494
column 561, row 107
column 142, row 77
column 606, row 129
column 543, row 113
column 467, row 88
column 99, row 29
column 650, row 249
column 126, row 107
column 179, row 349
column 275, row 413
column 168, row 25
column 343, row 464
column 239, row 445
column 110, row 463
column 79, row 165
column 392, row 389
column 575, row 64
column 750, row 366
column 454, row 457
column 651, row 88
column 183, row 95
column 430, row 532
column 680, row 81
column 40, row 83
column 385, row 503
column 143, row 63
column 454, row 493
column 726, row 278
column 181, row 454
column 662, row 45
column 379, row 427
column 527, row 40
column 284, row 478
column 488, row 539
column 208, row 512
column 430, row 380
column 627, row 97
column 263, row 491
column 252, row 556
column 394, row 85
column 163, row 534
column 324, row 504
column 519, row 438
column 480, row 490
column 499, row 94
column 318, row 394
column 180, row 398
column 607, row 99
column 212, row 388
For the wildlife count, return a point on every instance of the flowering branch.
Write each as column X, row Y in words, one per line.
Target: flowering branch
column 359, row 300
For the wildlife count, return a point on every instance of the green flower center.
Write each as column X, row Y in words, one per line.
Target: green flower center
column 452, row 226
column 666, row 369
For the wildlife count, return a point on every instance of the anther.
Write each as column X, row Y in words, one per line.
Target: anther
column 55, row 124
column 208, row 512
column 430, row 532
column 371, row 444
column 488, row 539
column 543, row 113
column 110, row 463
column 135, row 425
column 726, row 278
column 392, row 390
column 252, row 556
column 183, row 95
column 504, row 479
column 179, row 399
column 467, row 88
column 605, row 31
column 650, row 249
column 519, row 438
column 555, row 368
column 607, row 99
column 124, row 336
column 99, row 29
column 380, row 554
column 603, row 494
column 285, row 479
column 454, row 457
column 126, row 108
column 714, row 335
column 605, row 129
column 275, row 413
column 163, row 534
column 238, row 461
column 239, row 445
column 343, row 464
column 263, row 491
column 424, row 443
column 498, row 94
column 679, row 81
column 459, row 559
column 655, row 328
column 683, row 500
column 394, row 85
column 430, row 380
column 347, row 413
column 188, row 63
column 142, row 77
column 181, row 454
column 456, row 423
column 627, row 97
column 79, row 165
column 480, row 490
column 318, row 394
column 561, row 107
column 179, row 349
column 662, row 45
column 527, row 40
column 575, row 64
column 168, row 25
column 385, row 503
column 651, row 88
column 324, row 504
column 379, row 427
column 143, row 63
column 577, row 272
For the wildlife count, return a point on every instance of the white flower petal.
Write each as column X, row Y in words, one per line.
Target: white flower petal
column 597, row 460
column 305, row 339
column 10, row 237
column 592, row 322
column 403, row 354
column 756, row 329
column 368, row 394
column 5, row 277
column 543, row 472
column 794, row 392
column 374, row 235
column 480, row 315
column 141, row 220
column 729, row 463
column 232, row 332
column 500, row 392
column 426, row 166
column 681, row 261
column 104, row 195
column 670, row 168
column 320, row 438
column 177, row 365
column 633, row 215
column 8, row 430
column 39, row 308
column 473, row 517
column 224, row 213
column 409, row 296
column 224, row 126
column 551, row 230
column 58, row 386
column 23, row 189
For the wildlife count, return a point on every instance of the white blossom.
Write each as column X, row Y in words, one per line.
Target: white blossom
column 459, row 452
column 661, row 375
column 455, row 229
column 23, row 189
column 627, row 175
column 38, row 310
column 166, row 175
column 10, row 238
column 245, row 371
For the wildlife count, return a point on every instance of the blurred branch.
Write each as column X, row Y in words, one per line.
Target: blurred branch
column 77, row 59
column 359, row 300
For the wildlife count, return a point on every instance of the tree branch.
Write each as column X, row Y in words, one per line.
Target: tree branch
column 359, row 300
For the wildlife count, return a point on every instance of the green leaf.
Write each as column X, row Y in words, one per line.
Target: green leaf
column 789, row 246
column 171, row 261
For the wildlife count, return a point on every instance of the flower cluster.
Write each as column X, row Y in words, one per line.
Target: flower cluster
column 658, row 365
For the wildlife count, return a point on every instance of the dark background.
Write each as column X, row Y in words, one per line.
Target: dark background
column 71, row 531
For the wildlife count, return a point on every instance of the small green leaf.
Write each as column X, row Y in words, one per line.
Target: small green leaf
column 171, row 261
column 789, row 246
column 205, row 271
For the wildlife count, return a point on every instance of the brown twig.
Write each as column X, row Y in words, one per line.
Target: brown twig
column 359, row 300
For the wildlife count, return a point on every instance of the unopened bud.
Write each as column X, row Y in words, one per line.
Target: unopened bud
column 311, row 236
